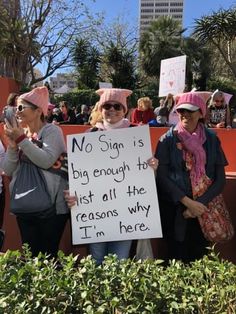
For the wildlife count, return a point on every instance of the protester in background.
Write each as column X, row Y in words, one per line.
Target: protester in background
column 95, row 116
column 190, row 174
column 83, row 116
column 40, row 144
column 12, row 98
column 218, row 113
column 11, row 104
column 170, row 102
column 144, row 112
column 50, row 91
column 56, row 111
column 66, row 115
column 162, row 114
column 161, row 103
column 50, row 115
column 113, row 107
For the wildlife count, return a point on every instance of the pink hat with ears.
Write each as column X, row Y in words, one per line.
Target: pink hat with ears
column 113, row 94
column 51, row 106
column 39, row 97
column 191, row 101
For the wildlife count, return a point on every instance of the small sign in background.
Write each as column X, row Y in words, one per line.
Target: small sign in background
column 172, row 76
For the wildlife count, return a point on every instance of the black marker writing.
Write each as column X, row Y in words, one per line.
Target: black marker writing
column 82, row 147
column 132, row 191
column 80, row 174
column 118, row 173
column 113, row 148
column 84, row 199
column 139, row 208
column 85, row 217
column 138, row 143
column 132, row 228
column 142, row 165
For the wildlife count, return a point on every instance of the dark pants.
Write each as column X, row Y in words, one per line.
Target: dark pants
column 42, row 234
column 193, row 247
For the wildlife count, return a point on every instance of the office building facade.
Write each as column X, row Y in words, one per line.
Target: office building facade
column 63, row 79
column 150, row 10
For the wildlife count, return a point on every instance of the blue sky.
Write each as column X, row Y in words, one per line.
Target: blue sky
column 193, row 9
column 129, row 11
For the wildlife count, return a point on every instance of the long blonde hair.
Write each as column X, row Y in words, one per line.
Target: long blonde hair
column 95, row 116
column 144, row 103
column 215, row 95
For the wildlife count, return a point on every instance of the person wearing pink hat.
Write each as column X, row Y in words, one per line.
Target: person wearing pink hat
column 190, row 174
column 218, row 113
column 113, row 107
column 41, row 144
column 50, row 115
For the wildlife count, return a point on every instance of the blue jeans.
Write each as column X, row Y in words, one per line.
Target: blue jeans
column 100, row 250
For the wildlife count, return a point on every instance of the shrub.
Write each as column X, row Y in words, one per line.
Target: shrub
column 40, row 285
column 89, row 97
column 76, row 98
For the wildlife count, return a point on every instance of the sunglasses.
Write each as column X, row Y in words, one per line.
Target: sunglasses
column 117, row 107
column 184, row 111
column 221, row 101
column 21, row 108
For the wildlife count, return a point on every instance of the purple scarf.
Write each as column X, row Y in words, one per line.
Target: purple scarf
column 193, row 143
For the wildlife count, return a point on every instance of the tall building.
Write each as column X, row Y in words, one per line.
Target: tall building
column 150, row 10
column 61, row 79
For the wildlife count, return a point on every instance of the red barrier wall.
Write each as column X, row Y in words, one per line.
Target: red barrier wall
column 228, row 251
column 7, row 86
column 226, row 136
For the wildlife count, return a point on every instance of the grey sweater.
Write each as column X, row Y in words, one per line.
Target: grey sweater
column 53, row 146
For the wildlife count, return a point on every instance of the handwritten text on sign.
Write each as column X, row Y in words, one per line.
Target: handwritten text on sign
column 115, row 187
column 172, row 76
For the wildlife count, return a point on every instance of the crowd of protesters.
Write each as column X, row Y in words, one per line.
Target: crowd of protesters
column 34, row 136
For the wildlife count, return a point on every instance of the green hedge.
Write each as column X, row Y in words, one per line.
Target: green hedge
column 77, row 98
column 41, row 286
column 89, row 97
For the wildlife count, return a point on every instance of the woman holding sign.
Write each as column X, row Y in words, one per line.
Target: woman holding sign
column 113, row 107
column 190, row 174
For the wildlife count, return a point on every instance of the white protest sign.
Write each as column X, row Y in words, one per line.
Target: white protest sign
column 116, row 190
column 172, row 76
column 105, row 85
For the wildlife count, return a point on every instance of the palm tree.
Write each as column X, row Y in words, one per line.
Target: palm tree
column 198, row 68
column 86, row 58
column 219, row 30
column 161, row 41
column 118, row 66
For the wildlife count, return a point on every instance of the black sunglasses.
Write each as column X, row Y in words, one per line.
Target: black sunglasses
column 117, row 107
column 21, row 108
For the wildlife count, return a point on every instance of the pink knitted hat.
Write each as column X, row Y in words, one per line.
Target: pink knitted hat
column 39, row 97
column 192, row 102
column 113, row 94
column 51, row 106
